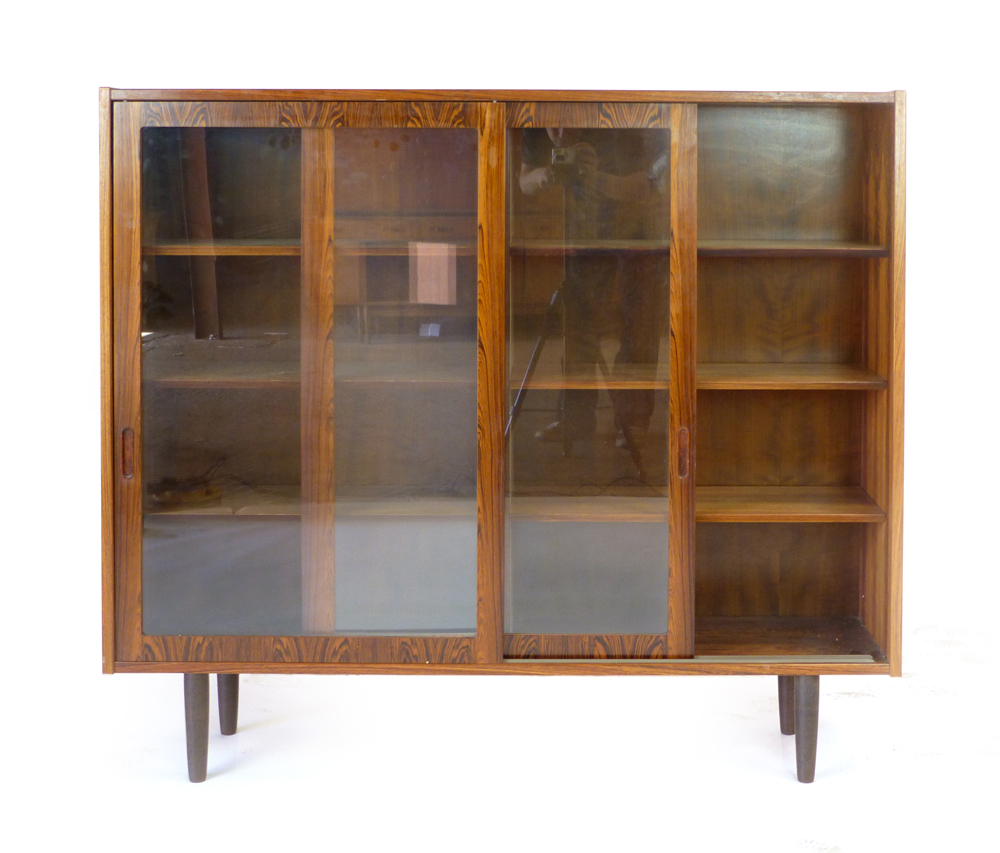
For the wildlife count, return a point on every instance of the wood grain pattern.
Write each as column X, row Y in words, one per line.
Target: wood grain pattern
column 801, row 377
column 313, row 113
column 683, row 367
column 317, row 381
column 492, row 360
column 780, row 310
column 779, row 173
column 543, row 95
column 127, row 312
column 779, row 438
column 833, row 439
column 601, row 114
column 782, row 664
column 108, row 469
column 285, row 651
column 591, row 646
column 778, row 569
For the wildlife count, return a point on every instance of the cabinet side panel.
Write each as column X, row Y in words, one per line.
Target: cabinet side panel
column 107, row 390
column 877, row 465
column 894, row 511
column 683, row 355
column 126, row 309
column 492, row 340
column 317, row 381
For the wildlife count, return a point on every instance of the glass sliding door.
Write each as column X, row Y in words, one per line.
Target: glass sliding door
column 589, row 428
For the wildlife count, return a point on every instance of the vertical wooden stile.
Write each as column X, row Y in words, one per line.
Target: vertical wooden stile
column 127, row 358
column 492, row 341
column 683, row 364
column 317, row 380
column 107, row 390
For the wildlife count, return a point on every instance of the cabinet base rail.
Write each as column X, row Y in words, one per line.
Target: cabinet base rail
column 798, row 714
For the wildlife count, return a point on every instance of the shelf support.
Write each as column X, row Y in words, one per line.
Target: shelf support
column 196, row 724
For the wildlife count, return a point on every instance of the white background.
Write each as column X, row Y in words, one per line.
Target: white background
column 514, row 764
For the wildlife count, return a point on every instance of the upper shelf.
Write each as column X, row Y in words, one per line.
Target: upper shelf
column 395, row 247
column 220, row 248
column 248, row 248
column 706, row 248
column 790, row 249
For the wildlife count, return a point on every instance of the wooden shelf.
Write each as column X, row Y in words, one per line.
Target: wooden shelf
column 627, row 377
column 394, row 248
column 248, row 501
column 797, row 377
column 783, row 635
column 785, row 504
column 235, row 375
column 712, row 504
column 239, row 500
column 711, row 377
column 790, row 249
column 589, row 508
column 589, row 247
column 220, row 248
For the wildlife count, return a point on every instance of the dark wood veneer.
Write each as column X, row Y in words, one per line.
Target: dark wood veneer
column 786, row 311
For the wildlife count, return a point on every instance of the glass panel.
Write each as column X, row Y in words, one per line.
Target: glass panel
column 220, row 363
column 405, row 367
column 588, row 380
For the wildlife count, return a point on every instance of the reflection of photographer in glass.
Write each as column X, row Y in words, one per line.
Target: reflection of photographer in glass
column 615, row 187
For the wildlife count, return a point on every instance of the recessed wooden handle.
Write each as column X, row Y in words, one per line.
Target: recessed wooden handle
column 683, row 453
column 128, row 453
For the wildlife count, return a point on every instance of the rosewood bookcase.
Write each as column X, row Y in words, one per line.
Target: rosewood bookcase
column 502, row 382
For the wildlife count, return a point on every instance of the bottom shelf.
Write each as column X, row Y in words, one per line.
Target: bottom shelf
column 783, row 635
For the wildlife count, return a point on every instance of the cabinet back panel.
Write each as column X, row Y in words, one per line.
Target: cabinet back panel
column 777, row 569
column 779, row 310
column 779, row 173
column 253, row 183
column 251, row 435
column 778, row 438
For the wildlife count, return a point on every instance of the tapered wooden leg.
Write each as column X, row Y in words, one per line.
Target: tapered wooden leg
column 229, row 702
column 786, row 704
column 196, row 723
column 806, row 725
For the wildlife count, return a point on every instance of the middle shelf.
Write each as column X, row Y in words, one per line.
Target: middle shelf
column 748, row 504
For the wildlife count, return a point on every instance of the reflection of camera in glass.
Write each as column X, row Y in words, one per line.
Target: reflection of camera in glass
column 564, row 166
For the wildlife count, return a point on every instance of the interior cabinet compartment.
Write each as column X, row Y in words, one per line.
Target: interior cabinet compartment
column 240, row 187
column 769, row 176
column 772, row 589
column 779, row 438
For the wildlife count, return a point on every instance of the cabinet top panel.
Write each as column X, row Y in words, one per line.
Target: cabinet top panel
column 500, row 95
